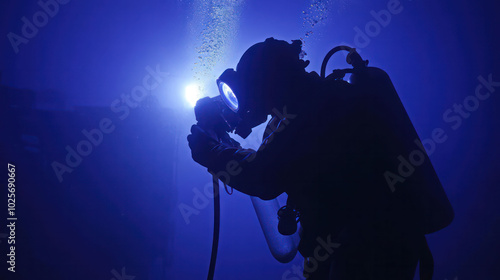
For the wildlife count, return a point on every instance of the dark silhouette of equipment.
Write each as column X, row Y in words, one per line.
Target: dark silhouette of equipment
column 422, row 195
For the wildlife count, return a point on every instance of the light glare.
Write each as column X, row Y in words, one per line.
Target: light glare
column 192, row 94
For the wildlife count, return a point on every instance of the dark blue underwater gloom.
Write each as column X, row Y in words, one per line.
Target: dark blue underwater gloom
column 97, row 100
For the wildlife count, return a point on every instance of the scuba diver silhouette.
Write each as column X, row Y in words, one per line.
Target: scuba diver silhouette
column 346, row 153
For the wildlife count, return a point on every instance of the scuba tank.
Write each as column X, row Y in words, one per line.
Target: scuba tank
column 418, row 196
column 418, row 192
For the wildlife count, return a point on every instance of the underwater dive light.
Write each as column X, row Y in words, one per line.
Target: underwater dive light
column 192, row 94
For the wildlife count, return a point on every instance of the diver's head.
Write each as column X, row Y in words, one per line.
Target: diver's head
column 264, row 78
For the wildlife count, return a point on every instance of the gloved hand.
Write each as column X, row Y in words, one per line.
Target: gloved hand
column 205, row 148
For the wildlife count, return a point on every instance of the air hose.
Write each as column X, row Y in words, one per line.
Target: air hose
column 215, row 241
column 352, row 58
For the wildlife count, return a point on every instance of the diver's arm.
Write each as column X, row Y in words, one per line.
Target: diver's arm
column 256, row 173
column 248, row 171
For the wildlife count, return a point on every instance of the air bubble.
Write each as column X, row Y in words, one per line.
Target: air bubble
column 315, row 15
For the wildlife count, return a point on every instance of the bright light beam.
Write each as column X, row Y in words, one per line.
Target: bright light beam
column 192, row 94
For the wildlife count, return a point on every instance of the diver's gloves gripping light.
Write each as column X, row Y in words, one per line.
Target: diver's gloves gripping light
column 228, row 96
